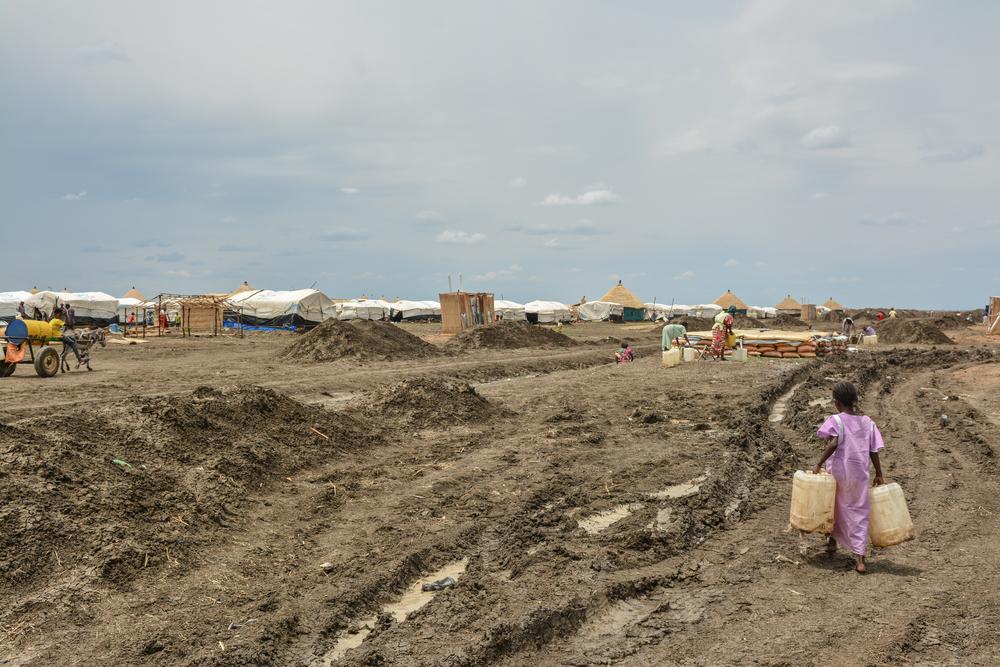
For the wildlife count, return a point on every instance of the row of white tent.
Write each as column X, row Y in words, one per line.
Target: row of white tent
column 310, row 306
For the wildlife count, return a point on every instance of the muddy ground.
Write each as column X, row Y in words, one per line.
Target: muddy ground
column 264, row 511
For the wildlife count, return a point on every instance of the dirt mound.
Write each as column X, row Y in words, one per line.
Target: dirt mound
column 365, row 340
column 951, row 322
column 135, row 485
column 693, row 323
column 425, row 402
column 911, row 331
column 786, row 321
column 509, row 336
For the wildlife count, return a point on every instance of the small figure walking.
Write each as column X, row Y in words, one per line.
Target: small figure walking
column 854, row 440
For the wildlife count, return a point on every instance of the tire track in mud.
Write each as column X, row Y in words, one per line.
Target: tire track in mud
column 721, row 499
column 872, row 619
column 672, row 621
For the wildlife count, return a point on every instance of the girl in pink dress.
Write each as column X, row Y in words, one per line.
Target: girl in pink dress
column 853, row 441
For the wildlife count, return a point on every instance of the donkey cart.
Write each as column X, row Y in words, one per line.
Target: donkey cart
column 29, row 342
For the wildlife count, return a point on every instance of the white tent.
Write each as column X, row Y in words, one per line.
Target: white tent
column 598, row 311
column 271, row 308
column 89, row 307
column 9, row 301
column 549, row 311
column 762, row 312
column 664, row 310
column 416, row 310
column 509, row 310
column 363, row 309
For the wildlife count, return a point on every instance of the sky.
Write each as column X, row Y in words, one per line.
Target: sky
column 537, row 150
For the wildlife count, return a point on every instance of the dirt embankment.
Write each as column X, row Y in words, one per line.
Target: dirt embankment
column 104, row 494
column 364, row 340
column 900, row 330
column 509, row 336
column 423, row 402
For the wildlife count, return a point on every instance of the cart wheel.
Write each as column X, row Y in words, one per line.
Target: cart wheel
column 47, row 362
column 6, row 370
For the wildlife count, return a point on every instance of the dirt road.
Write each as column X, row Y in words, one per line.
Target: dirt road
column 590, row 513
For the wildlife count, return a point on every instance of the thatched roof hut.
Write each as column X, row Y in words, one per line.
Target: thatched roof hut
column 789, row 305
column 729, row 299
column 635, row 309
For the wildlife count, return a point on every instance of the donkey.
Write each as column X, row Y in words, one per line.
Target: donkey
column 85, row 341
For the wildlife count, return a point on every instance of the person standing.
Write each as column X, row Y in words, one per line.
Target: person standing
column 854, row 440
column 721, row 330
column 70, row 317
column 892, row 313
column 21, row 311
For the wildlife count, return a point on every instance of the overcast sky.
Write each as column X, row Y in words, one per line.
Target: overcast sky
column 543, row 150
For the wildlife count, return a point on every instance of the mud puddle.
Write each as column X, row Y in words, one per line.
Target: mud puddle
column 413, row 599
column 681, row 490
column 595, row 523
column 781, row 405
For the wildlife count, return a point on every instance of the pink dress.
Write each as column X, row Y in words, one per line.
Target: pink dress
column 849, row 466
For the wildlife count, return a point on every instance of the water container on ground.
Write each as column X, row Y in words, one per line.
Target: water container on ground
column 671, row 357
column 869, row 340
column 739, row 354
column 813, row 498
column 690, row 354
column 889, row 522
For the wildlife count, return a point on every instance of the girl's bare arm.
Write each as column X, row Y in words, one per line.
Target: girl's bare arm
column 827, row 453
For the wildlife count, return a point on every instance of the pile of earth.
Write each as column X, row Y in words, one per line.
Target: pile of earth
column 951, row 322
column 693, row 323
column 899, row 330
column 786, row 321
column 98, row 495
column 508, row 335
column 423, row 402
column 365, row 340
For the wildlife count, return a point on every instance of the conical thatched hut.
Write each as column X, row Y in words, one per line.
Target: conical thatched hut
column 245, row 287
column 789, row 306
column 135, row 294
column 833, row 305
column 729, row 299
column 634, row 309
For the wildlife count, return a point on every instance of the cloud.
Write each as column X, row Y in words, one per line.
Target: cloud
column 179, row 273
column 582, row 227
column 896, row 219
column 237, row 247
column 350, row 191
column 508, row 273
column 820, row 195
column 370, row 275
column 148, row 243
column 959, row 153
column 458, row 237
column 588, row 198
column 823, row 138
column 167, row 258
column 687, row 275
column 101, row 52
column 518, row 182
column 70, row 196
column 344, row 234
column 430, row 216
column 229, row 219
column 731, row 263
column 863, row 72
column 554, row 244
column 692, row 141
